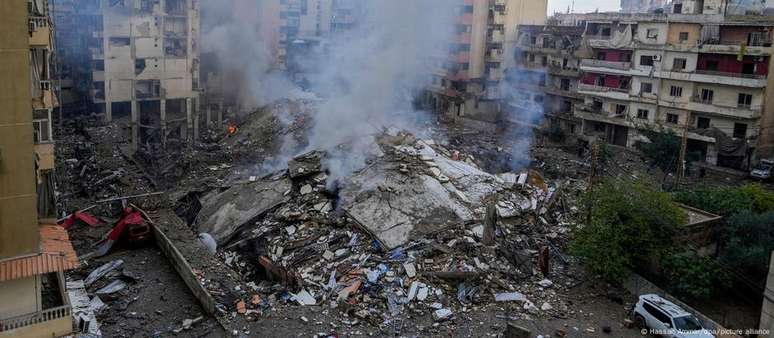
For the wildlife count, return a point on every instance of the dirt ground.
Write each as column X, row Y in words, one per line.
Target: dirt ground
column 152, row 306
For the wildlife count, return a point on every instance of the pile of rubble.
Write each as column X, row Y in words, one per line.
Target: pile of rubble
column 420, row 230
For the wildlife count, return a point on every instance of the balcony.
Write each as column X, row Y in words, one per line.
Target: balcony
column 605, row 66
column 40, row 31
column 608, row 92
column 735, row 49
column 555, row 69
column 715, row 108
column 55, row 319
column 728, row 78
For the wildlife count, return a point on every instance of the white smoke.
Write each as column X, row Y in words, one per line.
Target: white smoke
column 371, row 74
column 236, row 31
column 523, row 111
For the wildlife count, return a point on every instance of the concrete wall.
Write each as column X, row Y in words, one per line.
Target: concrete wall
column 18, row 203
column 520, row 12
column 693, row 30
column 24, row 292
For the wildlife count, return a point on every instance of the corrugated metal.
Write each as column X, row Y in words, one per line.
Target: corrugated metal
column 57, row 254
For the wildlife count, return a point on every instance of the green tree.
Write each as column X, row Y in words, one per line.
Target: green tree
column 630, row 223
column 729, row 201
column 748, row 241
column 689, row 275
column 664, row 150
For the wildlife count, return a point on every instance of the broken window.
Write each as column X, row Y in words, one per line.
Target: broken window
column 565, row 84
column 145, row 89
column 672, row 118
column 642, row 114
column 119, row 42
column 175, row 47
column 651, row 33
column 139, row 66
column 683, row 37
column 175, row 7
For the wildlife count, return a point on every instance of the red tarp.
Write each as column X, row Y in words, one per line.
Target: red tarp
column 80, row 216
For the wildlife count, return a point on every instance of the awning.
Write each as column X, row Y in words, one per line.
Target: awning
column 57, row 254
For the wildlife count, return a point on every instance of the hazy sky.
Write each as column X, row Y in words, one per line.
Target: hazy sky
column 583, row 6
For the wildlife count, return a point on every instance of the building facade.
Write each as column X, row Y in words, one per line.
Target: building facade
column 137, row 60
column 34, row 251
column 467, row 80
column 697, row 72
column 544, row 80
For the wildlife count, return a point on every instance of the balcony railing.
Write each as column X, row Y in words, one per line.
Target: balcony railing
column 35, row 318
column 763, row 42
column 606, row 64
column 596, row 88
column 37, row 22
column 699, row 99
column 730, row 74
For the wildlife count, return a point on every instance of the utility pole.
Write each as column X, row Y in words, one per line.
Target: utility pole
column 683, row 146
column 595, row 150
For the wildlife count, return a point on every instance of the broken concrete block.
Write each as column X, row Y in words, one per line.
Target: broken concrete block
column 411, row 270
column 306, row 189
column 510, row 297
column 442, row 314
column 546, row 306
column 304, row 298
column 546, row 283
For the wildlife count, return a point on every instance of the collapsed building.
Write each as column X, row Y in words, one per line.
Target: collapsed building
column 143, row 64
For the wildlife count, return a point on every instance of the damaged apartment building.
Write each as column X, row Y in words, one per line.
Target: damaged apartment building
column 470, row 69
column 691, row 68
column 143, row 64
column 544, row 82
column 34, row 251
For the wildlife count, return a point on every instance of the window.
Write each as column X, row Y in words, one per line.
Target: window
column 642, row 114
column 532, row 58
column 676, row 91
column 606, row 31
column 646, row 87
column 656, row 313
column 646, row 60
column 683, row 37
column 678, row 64
column 712, row 65
column 755, row 39
column 652, row 33
column 678, row 8
column 744, row 100
column 706, row 95
column 702, row 122
column 672, row 118
column 740, row 130
column 565, row 84
column 544, row 61
column 601, row 56
column 748, row 68
column 533, row 40
column 625, row 57
column 620, row 109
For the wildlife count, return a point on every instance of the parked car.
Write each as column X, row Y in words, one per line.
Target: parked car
column 666, row 319
column 763, row 170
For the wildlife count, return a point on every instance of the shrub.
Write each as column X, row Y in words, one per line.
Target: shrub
column 629, row 223
column 689, row 275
